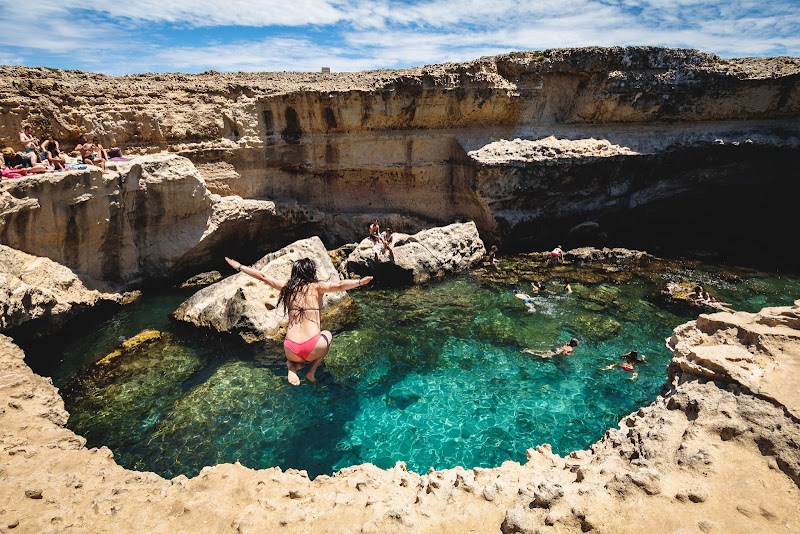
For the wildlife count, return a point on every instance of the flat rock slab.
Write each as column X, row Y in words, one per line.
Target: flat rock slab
column 759, row 351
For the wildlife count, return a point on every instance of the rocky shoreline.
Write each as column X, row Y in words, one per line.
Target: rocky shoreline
column 716, row 452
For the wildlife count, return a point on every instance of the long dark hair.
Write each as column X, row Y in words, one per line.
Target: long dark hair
column 304, row 272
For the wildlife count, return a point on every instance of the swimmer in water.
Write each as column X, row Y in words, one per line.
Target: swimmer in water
column 566, row 348
column 631, row 359
column 301, row 296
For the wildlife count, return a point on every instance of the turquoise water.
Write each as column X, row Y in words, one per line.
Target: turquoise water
column 434, row 375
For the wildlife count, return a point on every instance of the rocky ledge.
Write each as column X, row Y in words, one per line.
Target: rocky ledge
column 716, row 452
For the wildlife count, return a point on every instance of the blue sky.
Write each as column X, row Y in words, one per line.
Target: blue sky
column 119, row 37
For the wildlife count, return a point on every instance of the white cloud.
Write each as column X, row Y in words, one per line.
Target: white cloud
column 144, row 35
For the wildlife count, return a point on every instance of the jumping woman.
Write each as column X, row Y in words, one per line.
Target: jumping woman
column 301, row 296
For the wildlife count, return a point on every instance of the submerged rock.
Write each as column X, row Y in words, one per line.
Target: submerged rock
column 417, row 258
column 242, row 305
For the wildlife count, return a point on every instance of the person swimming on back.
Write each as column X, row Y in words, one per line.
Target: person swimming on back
column 527, row 299
column 301, row 296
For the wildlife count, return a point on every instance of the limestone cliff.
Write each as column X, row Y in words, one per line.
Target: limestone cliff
column 150, row 219
column 716, row 452
column 698, row 134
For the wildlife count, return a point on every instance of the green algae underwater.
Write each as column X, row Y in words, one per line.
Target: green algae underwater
column 433, row 375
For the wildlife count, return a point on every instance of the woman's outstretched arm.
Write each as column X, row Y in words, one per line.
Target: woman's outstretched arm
column 343, row 285
column 255, row 273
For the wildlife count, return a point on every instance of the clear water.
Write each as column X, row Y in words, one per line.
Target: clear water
column 433, row 375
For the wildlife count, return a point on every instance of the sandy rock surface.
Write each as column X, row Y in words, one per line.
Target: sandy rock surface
column 711, row 454
column 547, row 149
column 242, row 305
column 418, row 258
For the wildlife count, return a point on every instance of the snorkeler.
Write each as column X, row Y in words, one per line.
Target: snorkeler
column 301, row 296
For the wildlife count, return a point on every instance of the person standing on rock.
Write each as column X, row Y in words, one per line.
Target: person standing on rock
column 557, row 254
column 301, row 296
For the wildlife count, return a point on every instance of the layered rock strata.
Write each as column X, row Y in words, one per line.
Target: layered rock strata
column 696, row 134
column 717, row 452
column 417, row 258
column 151, row 219
column 242, row 305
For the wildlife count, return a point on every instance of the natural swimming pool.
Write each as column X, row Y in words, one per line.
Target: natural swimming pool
column 434, row 375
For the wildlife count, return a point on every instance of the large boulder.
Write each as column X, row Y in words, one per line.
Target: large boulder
column 38, row 295
column 244, row 306
column 417, row 258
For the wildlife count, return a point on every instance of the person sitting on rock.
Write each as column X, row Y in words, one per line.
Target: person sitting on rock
column 557, row 255
column 566, row 349
column 89, row 154
column 301, row 296
column 51, row 154
column 30, row 143
column 374, row 230
column 97, row 147
column 386, row 238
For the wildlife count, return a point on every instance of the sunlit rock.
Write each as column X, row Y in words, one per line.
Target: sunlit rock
column 242, row 305
column 417, row 258
column 41, row 295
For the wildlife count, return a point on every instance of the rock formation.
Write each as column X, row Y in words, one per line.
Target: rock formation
column 242, row 305
column 716, row 452
column 37, row 295
column 151, row 219
column 418, row 258
column 630, row 141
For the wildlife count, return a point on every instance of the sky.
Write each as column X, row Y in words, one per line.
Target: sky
column 134, row 36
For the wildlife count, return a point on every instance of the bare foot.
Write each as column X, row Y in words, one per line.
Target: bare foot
column 310, row 376
column 293, row 378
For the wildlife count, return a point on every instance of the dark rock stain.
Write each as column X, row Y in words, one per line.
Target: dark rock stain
column 292, row 133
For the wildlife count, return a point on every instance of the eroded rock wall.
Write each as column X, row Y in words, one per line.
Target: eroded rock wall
column 395, row 143
column 150, row 219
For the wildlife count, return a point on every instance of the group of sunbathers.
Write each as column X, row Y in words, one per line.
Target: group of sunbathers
column 45, row 155
column 700, row 297
column 383, row 240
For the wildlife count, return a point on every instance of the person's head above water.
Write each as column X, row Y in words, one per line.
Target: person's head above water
column 573, row 342
column 304, row 272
